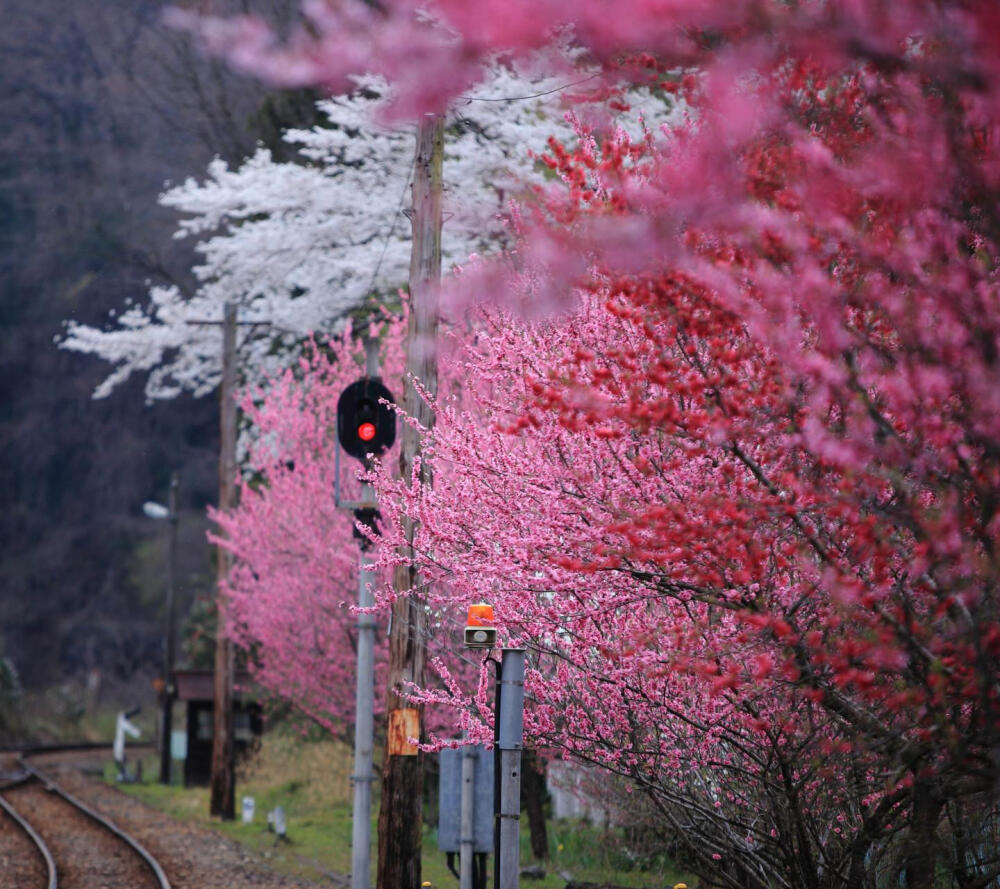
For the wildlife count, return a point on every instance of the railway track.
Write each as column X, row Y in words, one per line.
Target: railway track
column 51, row 839
column 87, row 856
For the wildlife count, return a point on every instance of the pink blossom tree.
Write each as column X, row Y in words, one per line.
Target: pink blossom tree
column 683, row 635
column 741, row 493
column 293, row 587
column 747, row 509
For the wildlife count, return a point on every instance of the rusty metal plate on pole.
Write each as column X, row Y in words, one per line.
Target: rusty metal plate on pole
column 404, row 724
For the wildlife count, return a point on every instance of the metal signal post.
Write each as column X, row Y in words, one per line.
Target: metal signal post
column 366, row 427
column 510, row 737
column 364, row 723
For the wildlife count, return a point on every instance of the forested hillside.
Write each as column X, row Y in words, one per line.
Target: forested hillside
column 102, row 105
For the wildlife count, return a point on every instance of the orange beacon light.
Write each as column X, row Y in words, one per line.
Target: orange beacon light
column 479, row 629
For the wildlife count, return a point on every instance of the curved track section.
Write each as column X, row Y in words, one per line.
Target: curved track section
column 80, row 850
column 151, row 862
column 43, row 850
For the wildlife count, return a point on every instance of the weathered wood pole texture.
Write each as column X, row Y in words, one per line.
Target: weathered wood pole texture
column 400, row 814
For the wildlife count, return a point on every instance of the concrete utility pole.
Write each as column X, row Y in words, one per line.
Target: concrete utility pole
column 167, row 699
column 364, row 726
column 401, row 812
column 364, row 716
column 223, row 779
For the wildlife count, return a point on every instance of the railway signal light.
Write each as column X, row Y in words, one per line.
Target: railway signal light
column 366, row 426
column 480, row 631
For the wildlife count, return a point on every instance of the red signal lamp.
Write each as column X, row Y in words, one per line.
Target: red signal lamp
column 366, row 421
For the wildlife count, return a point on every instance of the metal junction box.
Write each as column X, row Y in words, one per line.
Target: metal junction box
column 450, row 803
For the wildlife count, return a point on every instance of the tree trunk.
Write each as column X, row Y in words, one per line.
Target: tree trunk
column 921, row 839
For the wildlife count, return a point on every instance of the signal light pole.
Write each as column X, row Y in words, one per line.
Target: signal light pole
column 364, row 725
column 365, row 428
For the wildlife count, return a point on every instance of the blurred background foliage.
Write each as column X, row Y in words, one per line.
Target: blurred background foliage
column 102, row 106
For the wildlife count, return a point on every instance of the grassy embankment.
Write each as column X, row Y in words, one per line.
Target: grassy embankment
column 311, row 782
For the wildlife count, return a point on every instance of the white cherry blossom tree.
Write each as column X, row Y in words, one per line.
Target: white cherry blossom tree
column 299, row 245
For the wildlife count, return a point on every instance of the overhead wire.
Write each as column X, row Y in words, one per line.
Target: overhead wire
column 392, row 227
column 557, row 89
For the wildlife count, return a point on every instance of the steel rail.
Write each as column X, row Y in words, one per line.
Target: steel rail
column 50, row 862
column 49, row 784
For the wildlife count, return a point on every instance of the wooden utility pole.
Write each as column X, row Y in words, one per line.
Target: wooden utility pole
column 400, row 821
column 223, row 780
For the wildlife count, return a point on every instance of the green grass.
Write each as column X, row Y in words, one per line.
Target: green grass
column 310, row 781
